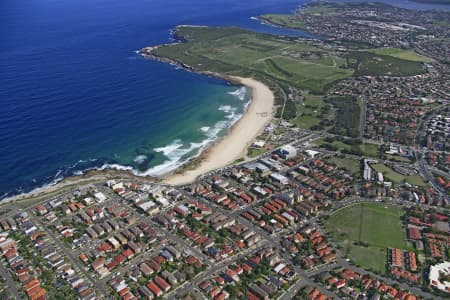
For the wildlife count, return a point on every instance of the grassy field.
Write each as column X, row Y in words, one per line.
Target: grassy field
column 281, row 63
column 337, row 144
column 371, row 150
column 311, row 112
column 398, row 178
column 402, row 54
column 254, row 152
column 371, row 64
column 347, row 118
column 366, row 149
column 282, row 20
column 365, row 230
column 351, row 165
column 273, row 59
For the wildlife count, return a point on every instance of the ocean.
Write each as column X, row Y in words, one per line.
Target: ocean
column 74, row 95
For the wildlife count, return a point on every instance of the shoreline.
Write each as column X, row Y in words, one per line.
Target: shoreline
column 240, row 136
column 89, row 177
column 228, row 148
column 234, row 145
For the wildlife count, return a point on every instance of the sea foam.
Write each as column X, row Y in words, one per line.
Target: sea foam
column 140, row 159
column 240, row 93
column 227, row 108
column 177, row 154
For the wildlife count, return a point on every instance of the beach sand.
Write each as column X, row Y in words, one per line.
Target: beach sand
column 234, row 145
column 224, row 152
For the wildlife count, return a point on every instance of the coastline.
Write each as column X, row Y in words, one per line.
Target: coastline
column 221, row 153
column 89, row 177
column 233, row 145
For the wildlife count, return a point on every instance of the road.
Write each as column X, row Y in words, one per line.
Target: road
column 10, row 282
column 182, row 290
column 75, row 262
column 344, row 263
column 132, row 263
column 427, row 174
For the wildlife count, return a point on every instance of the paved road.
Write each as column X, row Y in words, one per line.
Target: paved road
column 344, row 263
column 185, row 244
column 100, row 288
column 293, row 290
column 132, row 263
column 427, row 174
column 10, row 282
column 182, row 290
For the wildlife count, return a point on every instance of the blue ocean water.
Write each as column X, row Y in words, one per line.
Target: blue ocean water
column 74, row 94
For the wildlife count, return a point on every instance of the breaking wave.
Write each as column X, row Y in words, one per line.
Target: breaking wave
column 176, row 154
column 240, row 93
column 227, row 108
column 140, row 159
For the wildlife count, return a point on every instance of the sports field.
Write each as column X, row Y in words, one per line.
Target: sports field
column 365, row 230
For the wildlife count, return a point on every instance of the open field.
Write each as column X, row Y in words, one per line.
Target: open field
column 370, row 150
column 334, row 144
column 254, row 152
column 365, row 230
column 234, row 51
column 348, row 164
column 281, row 63
column 402, row 54
column 398, row 178
column 311, row 112
column 371, row 64
column 347, row 116
column 282, row 20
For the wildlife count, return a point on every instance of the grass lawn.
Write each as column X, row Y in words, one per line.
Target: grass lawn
column 397, row 158
column 282, row 20
column 398, row 178
column 254, row 152
column 377, row 225
column 369, row 63
column 309, row 113
column 402, row 54
column 269, row 58
column 347, row 114
column 338, row 144
column 371, row 150
column 372, row 258
column 348, row 164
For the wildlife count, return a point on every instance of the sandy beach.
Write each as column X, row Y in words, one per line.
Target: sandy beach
column 225, row 151
column 234, row 145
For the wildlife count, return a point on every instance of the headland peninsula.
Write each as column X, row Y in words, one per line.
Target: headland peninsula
column 343, row 194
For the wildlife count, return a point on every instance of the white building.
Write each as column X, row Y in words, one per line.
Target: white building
column 312, row 153
column 279, row 178
column 435, row 275
column 99, row 197
column 287, row 151
column 258, row 144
